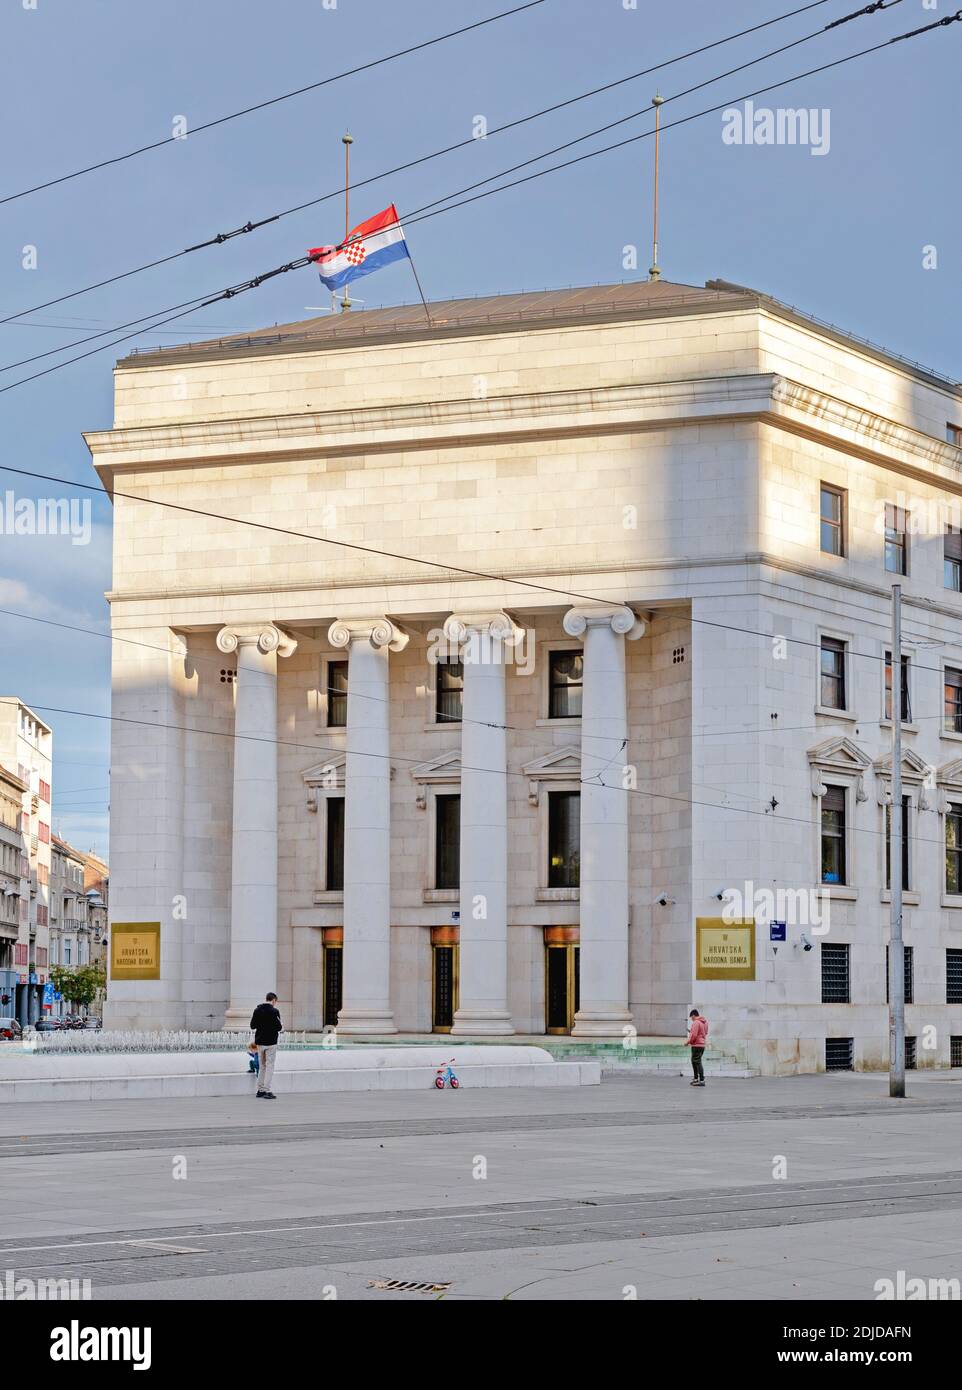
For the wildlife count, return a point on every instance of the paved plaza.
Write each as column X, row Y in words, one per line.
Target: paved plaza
column 799, row 1188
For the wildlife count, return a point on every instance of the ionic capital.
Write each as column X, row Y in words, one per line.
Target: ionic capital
column 266, row 637
column 618, row 617
column 380, row 632
column 494, row 623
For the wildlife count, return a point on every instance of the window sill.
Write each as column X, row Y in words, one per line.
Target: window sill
column 442, row 724
column 951, row 737
column 830, row 713
column 328, row 895
column 841, row 891
column 908, row 896
column 441, row 895
column 906, row 728
column 558, row 895
column 567, row 722
column 951, row 900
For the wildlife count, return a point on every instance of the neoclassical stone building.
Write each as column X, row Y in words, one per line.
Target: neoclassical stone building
column 472, row 674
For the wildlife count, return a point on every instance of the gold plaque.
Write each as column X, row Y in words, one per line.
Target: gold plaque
column 724, row 950
column 135, row 951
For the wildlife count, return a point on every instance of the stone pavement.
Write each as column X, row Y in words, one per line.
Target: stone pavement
column 641, row 1184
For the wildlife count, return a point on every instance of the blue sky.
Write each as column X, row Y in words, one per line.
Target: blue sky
column 840, row 235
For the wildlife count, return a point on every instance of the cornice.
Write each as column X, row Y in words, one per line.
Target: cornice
column 765, row 397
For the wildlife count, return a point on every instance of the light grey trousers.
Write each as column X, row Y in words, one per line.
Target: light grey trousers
column 266, row 1074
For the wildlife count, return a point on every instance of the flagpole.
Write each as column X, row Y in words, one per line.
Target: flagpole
column 654, row 272
column 414, row 272
column 347, row 141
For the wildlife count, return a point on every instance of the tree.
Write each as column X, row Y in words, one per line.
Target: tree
column 79, row 985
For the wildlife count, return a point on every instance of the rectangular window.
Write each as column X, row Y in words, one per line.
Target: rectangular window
column 896, row 539
column 952, row 550
column 952, row 721
column 565, row 670
column 910, row 1054
column 334, row 844
column 337, row 694
column 447, row 842
column 449, row 692
column 41, row 915
column 44, row 791
column 955, row 1052
column 833, row 835
column 67, row 952
column 953, row 848
column 906, row 708
column 908, row 958
column 836, row 987
column 43, row 832
column 839, row 1054
column 953, row 976
column 564, row 839
column 906, row 807
column 41, row 956
column 832, row 520
column 832, row 693
column 20, row 953
column 953, row 434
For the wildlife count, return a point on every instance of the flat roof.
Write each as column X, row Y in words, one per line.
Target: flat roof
column 503, row 312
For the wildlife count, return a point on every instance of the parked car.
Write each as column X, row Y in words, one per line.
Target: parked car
column 48, row 1025
column 10, row 1030
column 93, row 1023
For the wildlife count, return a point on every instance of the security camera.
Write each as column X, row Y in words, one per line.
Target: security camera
column 805, row 943
column 665, row 901
column 720, row 894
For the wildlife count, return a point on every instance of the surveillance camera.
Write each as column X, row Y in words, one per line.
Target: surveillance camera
column 720, row 894
column 662, row 901
column 805, row 943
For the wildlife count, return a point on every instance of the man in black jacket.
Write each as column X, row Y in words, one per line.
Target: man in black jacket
column 266, row 1023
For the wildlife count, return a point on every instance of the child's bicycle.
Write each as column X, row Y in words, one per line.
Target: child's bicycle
column 445, row 1073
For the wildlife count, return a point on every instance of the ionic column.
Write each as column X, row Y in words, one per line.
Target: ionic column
column 366, row 1004
column 253, row 903
column 604, row 818
column 485, row 641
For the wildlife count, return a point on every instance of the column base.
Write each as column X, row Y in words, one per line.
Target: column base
column 371, row 1022
column 490, row 1022
column 597, row 1023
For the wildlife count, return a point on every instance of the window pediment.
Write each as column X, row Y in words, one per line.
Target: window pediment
column 328, row 776
column 563, row 765
column 915, row 771
column 838, row 757
column 445, row 769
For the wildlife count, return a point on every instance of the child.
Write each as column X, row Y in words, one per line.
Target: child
column 254, row 1062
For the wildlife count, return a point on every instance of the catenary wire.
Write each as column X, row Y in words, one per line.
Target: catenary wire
column 417, row 214
column 299, row 263
column 251, row 226
column 505, row 772
column 273, row 101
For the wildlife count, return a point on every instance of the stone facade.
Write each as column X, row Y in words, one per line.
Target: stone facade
column 634, row 474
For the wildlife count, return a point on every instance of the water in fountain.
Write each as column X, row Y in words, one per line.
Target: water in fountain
column 162, row 1040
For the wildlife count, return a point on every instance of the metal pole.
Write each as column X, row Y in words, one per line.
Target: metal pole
column 347, row 141
column 654, row 272
column 896, row 949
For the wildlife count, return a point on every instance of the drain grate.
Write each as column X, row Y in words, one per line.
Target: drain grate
column 407, row 1285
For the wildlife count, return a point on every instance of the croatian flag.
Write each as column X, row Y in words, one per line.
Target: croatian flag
column 371, row 245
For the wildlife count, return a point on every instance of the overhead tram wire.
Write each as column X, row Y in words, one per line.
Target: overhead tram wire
column 505, row 772
column 429, row 210
column 252, row 226
column 273, row 101
column 214, row 662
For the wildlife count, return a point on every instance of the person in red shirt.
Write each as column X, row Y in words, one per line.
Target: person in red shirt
column 697, row 1040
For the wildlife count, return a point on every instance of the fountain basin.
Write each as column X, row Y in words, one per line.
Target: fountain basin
column 35, row 1076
